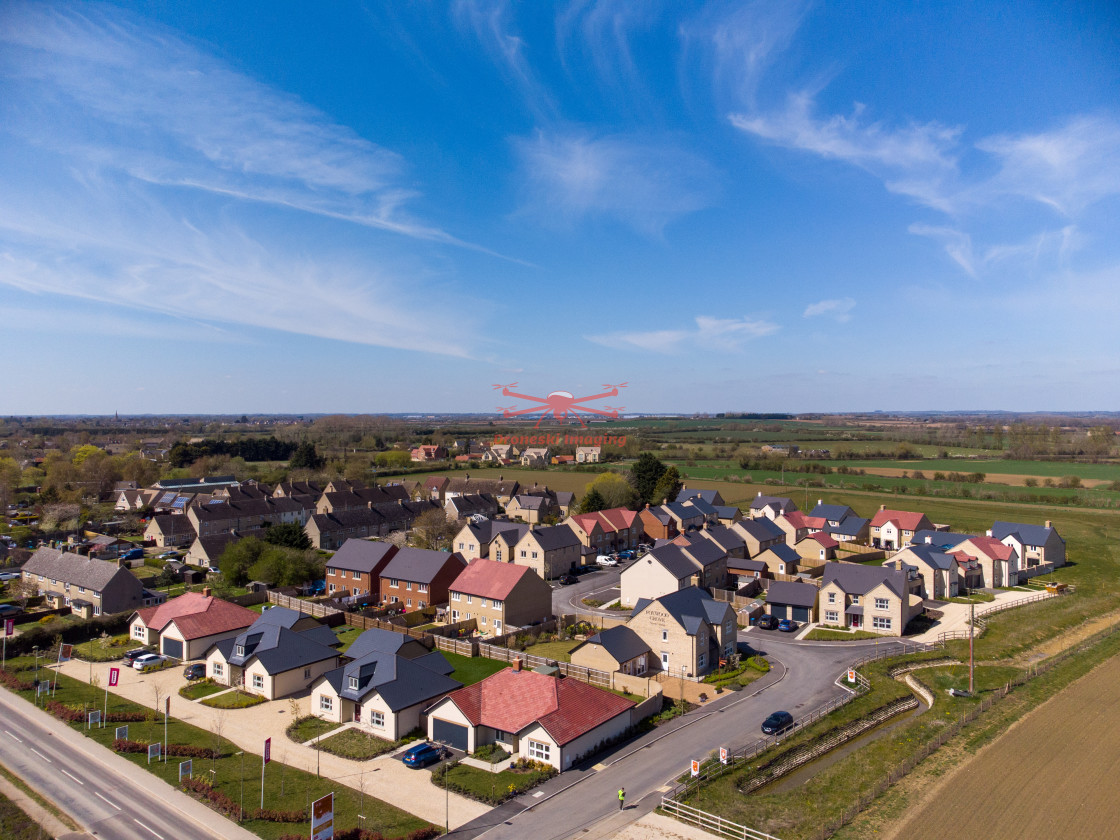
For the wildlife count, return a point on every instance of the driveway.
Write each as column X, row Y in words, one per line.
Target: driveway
column 955, row 616
column 384, row 777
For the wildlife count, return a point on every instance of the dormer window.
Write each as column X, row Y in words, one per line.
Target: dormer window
column 241, row 650
column 354, row 683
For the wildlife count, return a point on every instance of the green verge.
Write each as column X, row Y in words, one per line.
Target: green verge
column 361, row 746
column 202, row 688
column 299, row 787
column 303, row 729
column 16, row 825
column 45, row 804
column 492, row 788
column 820, row 634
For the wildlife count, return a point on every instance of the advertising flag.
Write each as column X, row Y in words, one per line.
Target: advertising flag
column 267, row 750
column 64, row 652
column 9, row 626
column 695, row 767
column 114, row 675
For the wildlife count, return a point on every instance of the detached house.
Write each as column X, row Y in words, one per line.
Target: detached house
column 416, row 578
column 588, row 454
column 895, row 529
column 1036, row 545
column 770, row 507
column 535, row 457
column 186, row 627
column 938, row 570
column 759, row 535
column 877, row 599
column 671, row 567
column 712, row 497
column 532, row 509
column 688, row 631
column 998, row 561
column 357, row 567
column 499, row 596
column 556, row 720
column 550, row 551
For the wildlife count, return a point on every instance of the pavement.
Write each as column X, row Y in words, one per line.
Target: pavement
column 105, row 793
column 955, row 616
column 384, row 777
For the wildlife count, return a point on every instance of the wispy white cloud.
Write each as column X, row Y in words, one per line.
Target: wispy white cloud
column 149, row 174
column 641, row 182
column 709, row 334
column 839, row 309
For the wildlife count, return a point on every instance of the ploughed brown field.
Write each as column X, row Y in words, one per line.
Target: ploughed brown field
column 1052, row 775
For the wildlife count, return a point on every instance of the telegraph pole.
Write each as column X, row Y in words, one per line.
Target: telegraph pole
column 971, row 645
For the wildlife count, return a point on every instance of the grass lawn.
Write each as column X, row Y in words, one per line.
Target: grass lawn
column 560, row 651
column 16, row 825
column 485, row 786
column 308, row 727
column 202, row 688
column 974, row 598
column 820, row 634
column 299, row 787
column 234, row 700
column 347, row 634
column 469, row 670
column 359, row 746
column 107, row 649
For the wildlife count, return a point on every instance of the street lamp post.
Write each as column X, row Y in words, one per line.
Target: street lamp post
column 241, row 813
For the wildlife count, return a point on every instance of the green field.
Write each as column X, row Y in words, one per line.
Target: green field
column 1053, row 469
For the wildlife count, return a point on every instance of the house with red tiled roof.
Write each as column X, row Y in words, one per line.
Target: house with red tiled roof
column 999, row 562
column 555, row 720
column 895, row 529
column 797, row 525
column 614, row 529
column 186, row 626
column 428, row 452
column 499, row 596
column 817, row 548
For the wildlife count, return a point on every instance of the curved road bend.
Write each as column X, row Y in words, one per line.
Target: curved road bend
column 583, row 802
column 104, row 793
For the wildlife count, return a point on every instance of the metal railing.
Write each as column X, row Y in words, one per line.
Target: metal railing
column 711, row 822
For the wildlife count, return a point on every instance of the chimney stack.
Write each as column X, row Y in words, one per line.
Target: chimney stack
column 517, row 663
column 882, row 507
column 820, row 502
column 207, row 591
column 1049, row 524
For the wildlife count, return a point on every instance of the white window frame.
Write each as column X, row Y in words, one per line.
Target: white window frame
column 832, row 597
column 456, row 596
column 326, row 703
column 881, row 622
column 832, row 617
column 882, row 604
column 218, row 669
column 258, row 681
column 377, row 718
column 353, row 683
column 539, row 751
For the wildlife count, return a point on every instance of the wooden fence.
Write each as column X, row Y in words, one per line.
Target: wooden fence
column 463, row 647
column 317, row 610
column 711, row 822
column 591, row 676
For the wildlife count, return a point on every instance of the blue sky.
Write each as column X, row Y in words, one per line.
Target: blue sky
column 764, row 206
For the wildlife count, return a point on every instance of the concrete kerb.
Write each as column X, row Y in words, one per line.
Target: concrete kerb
column 117, row 765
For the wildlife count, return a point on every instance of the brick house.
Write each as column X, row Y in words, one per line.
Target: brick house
column 895, row 529
column 415, row 578
column 357, row 567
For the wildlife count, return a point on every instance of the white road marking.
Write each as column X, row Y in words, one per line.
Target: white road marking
column 13, row 737
column 109, row 801
column 75, row 778
column 146, row 828
column 41, row 756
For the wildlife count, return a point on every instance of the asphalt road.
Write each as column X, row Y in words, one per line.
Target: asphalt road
column 107, row 805
column 583, row 802
column 600, row 583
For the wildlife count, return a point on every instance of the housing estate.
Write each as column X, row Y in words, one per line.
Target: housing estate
column 89, row 587
column 877, row 599
column 499, row 596
column 688, row 631
column 415, row 578
column 895, row 529
column 1036, row 545
column 185, row 627
column 356, row 567
column 673, row 566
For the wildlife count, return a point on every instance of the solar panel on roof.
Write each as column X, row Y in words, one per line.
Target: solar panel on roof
column 180, row 502
column 167, row 498
column 215, row 502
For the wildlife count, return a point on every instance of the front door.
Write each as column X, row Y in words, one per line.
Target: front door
column 357, row 713
column 857, row 621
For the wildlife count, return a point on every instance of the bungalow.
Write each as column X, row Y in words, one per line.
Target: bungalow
column 937, row 569
column 559, row 460
column 357, row 567
column 689, row 631
column 1036, row 545
column 797, row 601
column 384, row 691
column 416, row 578
column 671, row 567
column 270, row 659
column 499, row 596
column 555, row 720
column 186, row 627
column 614, row 649
column 998, row 561
column 770, row 507
column 873, row 598
column 895, row 529
column 550, row 551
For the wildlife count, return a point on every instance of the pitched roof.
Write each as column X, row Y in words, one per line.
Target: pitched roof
column 824, row 539
column 173, row 524
column 859, row 580
column 611, row 519
column 672, row 558
column 622, row 643
column 277, row 648
column 762, row 530
column 686, row 493
column 1028, row 534
column 795, row 594
column 489, row 579
column 932, row 556
column 554, row 537
column 907, row 520
column 689, row 606
column 419, row 565
column 783, row 552
column 782, row 503
column 737, row 565
column 800, row 520
column 834, row 513
column 376, row 640
column 512, row 700
column 991, row 547
column 400, row 682
column 74, row 569
column 361, row 555
column 197, row 616
column 281, row 617
column 848, row 525
column 940, row 539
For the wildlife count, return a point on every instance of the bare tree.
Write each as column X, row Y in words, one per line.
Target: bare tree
column 218, row 724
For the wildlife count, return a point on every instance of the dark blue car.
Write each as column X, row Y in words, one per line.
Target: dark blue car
column 422, row 755
column 787, row 625
column 626, row 555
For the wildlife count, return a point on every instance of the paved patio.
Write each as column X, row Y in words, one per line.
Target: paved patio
column 385, row 777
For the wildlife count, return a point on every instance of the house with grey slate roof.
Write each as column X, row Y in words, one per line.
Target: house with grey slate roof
column 877, row 599
column 89, row 587
column 797, row 601
column 614, row 649
column 674, row 565
column 1035, row 544
column 416, row 577
column 937, row 568
column 688, row 631
column 550, row 551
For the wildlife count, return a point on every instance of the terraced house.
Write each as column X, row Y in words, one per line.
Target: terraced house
column 89, row 587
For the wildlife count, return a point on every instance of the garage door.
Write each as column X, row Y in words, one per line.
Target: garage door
column 800, row 613
column 450, row 733
column 173, row 647
column 779, row 611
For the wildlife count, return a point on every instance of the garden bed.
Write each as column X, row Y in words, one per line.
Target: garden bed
column 234, row 700
column 303, row 729
column 201, row 688
column 362, row 746
column 492, row 788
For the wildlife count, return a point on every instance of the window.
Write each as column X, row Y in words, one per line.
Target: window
column 258, row 681
column 376, row 718
column 96, row 610
column 855, row 599
column 497, row 625
column 393, row 599
column 330, row 571
column 881, row 622
column 81, row 589
column 482, row 621
column 408, row 602
column 496, row 604
column 497, row 555
column 326, row 704
column 460, row 546
column 307, row 673
column 421, row 604
column 356, row 575
column 421, row 587
column 832, row 617
column 664, row 635
column 138, row 631
column 539, row 750
column 408, row 585
column 832, row 597
column 534, row 555
column 393, row 582
column 353, row 683
column 240, row 650
column 882, row 604
column 470, row 599
column 331, row 587
column 523, row 552
column 482, row 602
column 702, row 661
column 665, row 658
column 456, row 596
column 218, row 669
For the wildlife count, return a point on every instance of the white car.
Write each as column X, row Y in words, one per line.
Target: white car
column 148, row 659
column 606, row 560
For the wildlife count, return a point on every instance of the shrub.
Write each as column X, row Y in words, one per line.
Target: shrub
column 47, row 619
column 13, row 682
column 759, row 664
column 1033, row 482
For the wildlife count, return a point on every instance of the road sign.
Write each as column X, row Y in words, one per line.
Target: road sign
column 322, row 818
column 851, row 675
column 185, row 768
column 153, row 751
column 723, row 755
column 64, row 652
column 114, row 676
column 695, row 767
column 121, row 733
column 267, row 750
column 9, row 626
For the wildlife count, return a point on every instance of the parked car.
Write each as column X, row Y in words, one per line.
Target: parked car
column 777, row 723
column 788, row 625
column 9, row 611
column 169, row 555
column 131, row 656
column 567, row 580
column 196, row 671
column 626, row 555
column 133, row 554
column 644, row 547
column 606, row 560
column 766, row 622
column 146, row 661
column 422, row 755
column 9, row 575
